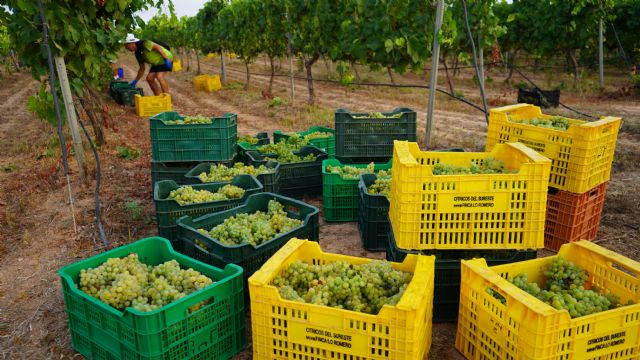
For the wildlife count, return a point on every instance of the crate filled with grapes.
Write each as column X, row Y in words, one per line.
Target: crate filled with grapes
column 193, row 138
column 174, row 201
column 321, row 137
column 268, row 174
column 373, row 211
column 146, row 301
column 340, row 193
column 474, row 200
column 366, row 137
column 250, row 234
column 581, row 151
column 306, row 301
column 300, row 171
column 580, row 304
column 251, row 142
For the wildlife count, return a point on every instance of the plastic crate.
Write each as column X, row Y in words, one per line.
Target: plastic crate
column 446, row 287
column 371, row 138
column 573, row 217
column 373, row 216
column 269, row 181
column 296, row 179
column 285, row 329
column 208, row 83
column 243, row 146
column 543, row 98
column 151, row 105
column 171, row 171
column 215, row 331
column 340, row 196
column 177, row 66
column 247, row 256
column 169, row 211
column 526, row 328
column 123, row 93
column 327, row 144
column 481, row 211
column 581, row 156
column 193, row 142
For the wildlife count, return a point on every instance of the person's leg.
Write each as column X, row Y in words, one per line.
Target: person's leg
column 163, row 82
column 151, row 79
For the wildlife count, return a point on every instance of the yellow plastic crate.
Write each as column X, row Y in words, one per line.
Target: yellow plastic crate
column 152, row 105
column 527, row 328
column 496, row 211
column 177, row 66
column 208, row 83
column 212, row 55
column 284, row 329
column 581, row 156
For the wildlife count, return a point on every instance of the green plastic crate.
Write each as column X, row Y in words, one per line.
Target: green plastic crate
column 446, row 291
column 171, row 171
column 365, row 138
column 215, row 331
column 269, row 181
column 243, row 146
column 169, row 211
column 296, row 179
column 193, row 142
column 123, row 93
column 340, row 196
column 373, row 216
column 327, row 144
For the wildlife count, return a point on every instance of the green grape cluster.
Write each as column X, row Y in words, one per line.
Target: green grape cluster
column 220, row 172
column 363, row 288
column 555, row 122
column 187, row 195
column 353, row 173
column 255, row 228
column 317, row 135
column 380, row 187
column 127, row 282
column 292, row 158
column 252, row 140
column 188, row 120
column 490, row 165
column 283, row 147
column 378, row 115
column 564, row 289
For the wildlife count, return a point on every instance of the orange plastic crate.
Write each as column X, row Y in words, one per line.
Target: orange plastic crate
column 573, row 217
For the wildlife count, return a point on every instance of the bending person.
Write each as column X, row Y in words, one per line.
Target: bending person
column 156, row 55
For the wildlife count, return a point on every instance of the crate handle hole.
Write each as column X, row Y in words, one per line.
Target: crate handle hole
column 199, row 306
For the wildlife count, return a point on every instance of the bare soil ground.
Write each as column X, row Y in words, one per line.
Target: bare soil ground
column 37, row 234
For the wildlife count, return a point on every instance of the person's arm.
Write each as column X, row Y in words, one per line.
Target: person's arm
column 141, row 70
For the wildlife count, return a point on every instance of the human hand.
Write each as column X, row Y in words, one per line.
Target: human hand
column 133, row 83
column 168, row 63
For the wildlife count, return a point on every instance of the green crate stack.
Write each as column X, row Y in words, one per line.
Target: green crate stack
column 446, row 291
column 171, row 171
column 124, row 93
column 270, row 181
column 243, row 146
column 340, row 196
column 373, row 216
column 168, row 211
column 214, row 331
column 326, row 144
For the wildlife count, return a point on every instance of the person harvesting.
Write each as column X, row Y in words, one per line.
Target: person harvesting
column 156, row 55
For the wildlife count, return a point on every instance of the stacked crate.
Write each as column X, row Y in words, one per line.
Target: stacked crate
column 496, row 216
column 581, row 158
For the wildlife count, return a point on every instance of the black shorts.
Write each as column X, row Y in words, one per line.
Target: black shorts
column 159, row 68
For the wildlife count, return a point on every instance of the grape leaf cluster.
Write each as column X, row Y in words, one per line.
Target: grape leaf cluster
column 363, row 288
column 186, row 195
column 220, row 172
column 127, row 282
column 353, row 173
column 380, row 187
column 188, row 120
column 490, row 165
column 555, row 122
column 254, row 228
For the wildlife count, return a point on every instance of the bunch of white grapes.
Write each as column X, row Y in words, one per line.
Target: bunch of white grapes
column 188, row 120
column 127, row 282
column 555, row 122
column 353, row 173
column 490, row 165
column 380, row 187
column 220, row 172
column 565, row 288
column 255, row 228
column 252, row 140
column 317, row 135
column 287, row 158
column 187, row 195
column 377, row 115
column 363, row 288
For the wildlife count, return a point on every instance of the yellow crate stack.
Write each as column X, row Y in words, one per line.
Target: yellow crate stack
column 208, row 83
column 523, row 327
column 286, row 329
column 152, row 105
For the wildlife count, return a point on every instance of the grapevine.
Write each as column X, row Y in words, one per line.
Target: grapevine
column 555, row 122
column 380, row 187
column 127, row 282
column 188, row 120
column 364, row 288
column 187, row 195
column 490, row 165
column 353, row 173
column 255, row 228
column 220, row 172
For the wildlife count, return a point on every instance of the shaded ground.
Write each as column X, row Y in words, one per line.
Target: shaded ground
column 37, row 233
